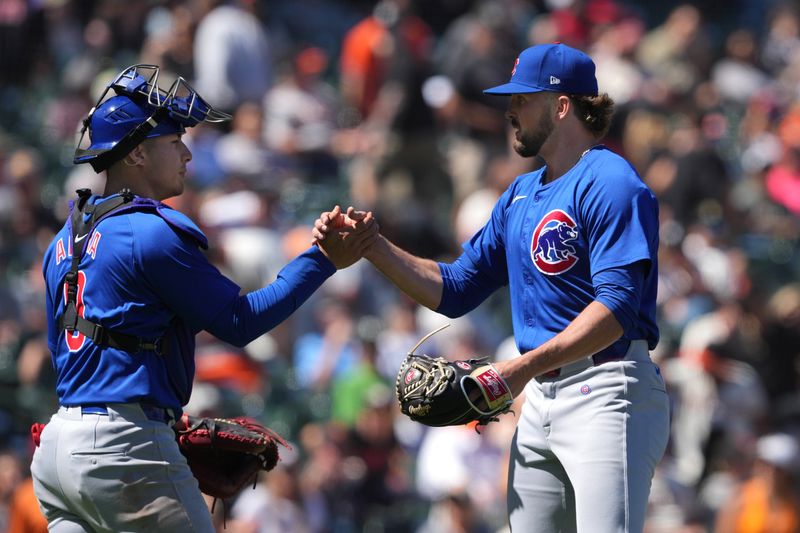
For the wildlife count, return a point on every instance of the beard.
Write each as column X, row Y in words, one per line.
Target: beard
column 530, row 143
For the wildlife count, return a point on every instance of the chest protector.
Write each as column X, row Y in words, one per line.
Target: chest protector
column 83, row 219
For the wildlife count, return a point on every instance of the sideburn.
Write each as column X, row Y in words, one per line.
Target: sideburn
column 531, row 144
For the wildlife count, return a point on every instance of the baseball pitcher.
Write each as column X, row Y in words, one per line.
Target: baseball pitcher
column 576, row 242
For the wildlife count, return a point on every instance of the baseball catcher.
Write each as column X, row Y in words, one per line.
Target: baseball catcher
column 123, row 310
column 225, row 454
column 437, row 392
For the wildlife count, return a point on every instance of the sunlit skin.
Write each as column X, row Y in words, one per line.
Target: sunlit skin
column 167, row 173
column 156, row 168
column 531, row 116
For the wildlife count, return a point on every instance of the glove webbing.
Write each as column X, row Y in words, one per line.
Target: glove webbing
column 437, row 379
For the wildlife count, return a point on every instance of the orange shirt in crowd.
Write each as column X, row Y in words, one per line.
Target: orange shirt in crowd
column 761, row 512
column 24, row 515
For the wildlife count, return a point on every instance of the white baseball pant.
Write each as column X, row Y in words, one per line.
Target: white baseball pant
column 586, row 447
column 114, row 473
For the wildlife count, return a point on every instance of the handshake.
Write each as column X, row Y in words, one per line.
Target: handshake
column 345, row 237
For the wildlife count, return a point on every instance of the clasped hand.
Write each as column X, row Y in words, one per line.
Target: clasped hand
column 344, row 238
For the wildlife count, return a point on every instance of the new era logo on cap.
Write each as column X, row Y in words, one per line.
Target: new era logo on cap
column 550, row 67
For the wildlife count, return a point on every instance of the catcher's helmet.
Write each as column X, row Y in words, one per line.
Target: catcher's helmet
column 139, row 110
column 115, row 118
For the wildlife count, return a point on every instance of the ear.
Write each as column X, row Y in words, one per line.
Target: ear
column 135, row 157
column 563, row 105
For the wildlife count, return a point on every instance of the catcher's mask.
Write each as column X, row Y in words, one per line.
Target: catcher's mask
column 139, row 109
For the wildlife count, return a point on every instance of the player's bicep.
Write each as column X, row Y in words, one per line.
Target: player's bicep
column 621, row 222
column 464, row 286
column 620, row 289
column 486, row 250
column 185, row 280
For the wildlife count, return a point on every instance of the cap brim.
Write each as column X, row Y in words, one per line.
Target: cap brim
column 513, row 88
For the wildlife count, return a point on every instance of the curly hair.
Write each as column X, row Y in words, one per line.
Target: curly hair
column 594, row 112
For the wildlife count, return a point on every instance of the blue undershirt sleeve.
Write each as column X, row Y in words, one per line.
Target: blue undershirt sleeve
column 620, row 288
column 251, row 315
column 464, row 287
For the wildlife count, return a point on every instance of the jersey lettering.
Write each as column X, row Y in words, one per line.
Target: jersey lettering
column 61, row 254
column 93, row 244
column 76, row 339
column 551, row 250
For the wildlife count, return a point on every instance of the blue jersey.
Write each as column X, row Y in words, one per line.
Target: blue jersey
column 547, row 240
column 143, row 274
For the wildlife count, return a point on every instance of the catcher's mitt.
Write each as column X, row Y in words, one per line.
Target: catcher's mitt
column 437, row 392
column 225, row 454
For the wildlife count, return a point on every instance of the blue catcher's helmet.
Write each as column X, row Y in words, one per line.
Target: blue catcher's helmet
column 139, row 110
column 117, row 117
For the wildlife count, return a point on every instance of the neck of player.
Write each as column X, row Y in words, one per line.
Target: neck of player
column 115, row 183
column 122, row 175
column 568, row 142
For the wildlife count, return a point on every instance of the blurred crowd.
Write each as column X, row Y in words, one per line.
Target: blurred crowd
column 379, row 105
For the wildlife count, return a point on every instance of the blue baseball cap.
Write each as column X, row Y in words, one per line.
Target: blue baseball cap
column 550, row 67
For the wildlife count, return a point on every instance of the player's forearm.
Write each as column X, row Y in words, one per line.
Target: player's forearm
column 419, row 278
column 594, row 329
column 251, row 315
column 591, row 331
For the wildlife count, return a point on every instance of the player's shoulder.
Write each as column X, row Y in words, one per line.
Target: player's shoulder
column 145, row 223
column 603, row 160
column 609, row 169
column 165, row 225
column 60, row 234
column 58, row 246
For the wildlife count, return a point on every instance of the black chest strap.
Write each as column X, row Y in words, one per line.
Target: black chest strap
column 84, row 218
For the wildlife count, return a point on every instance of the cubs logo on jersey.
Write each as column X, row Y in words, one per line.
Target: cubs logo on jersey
column 551, row 250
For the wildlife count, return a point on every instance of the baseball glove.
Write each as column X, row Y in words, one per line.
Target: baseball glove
column 437, row 392
column 225, row 454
